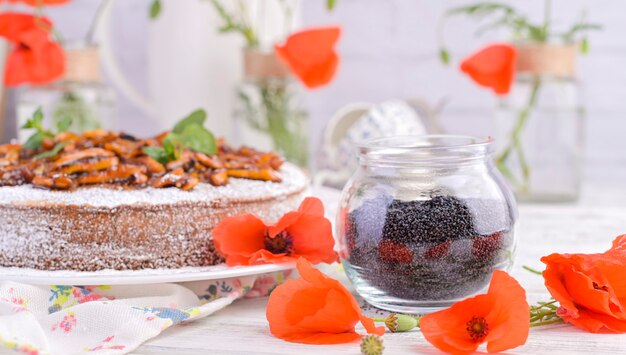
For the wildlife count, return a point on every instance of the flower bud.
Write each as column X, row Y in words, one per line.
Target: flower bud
column 400, row 322
column 372, row 345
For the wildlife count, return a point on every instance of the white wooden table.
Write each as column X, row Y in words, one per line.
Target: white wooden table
column 588, row 226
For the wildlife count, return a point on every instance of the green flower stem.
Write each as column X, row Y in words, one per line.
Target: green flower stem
column 528, row 268
column 547, row 322
column 516, row 142
column 276, row 115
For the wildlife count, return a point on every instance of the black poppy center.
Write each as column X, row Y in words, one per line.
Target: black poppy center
column 280, row 244
column 477, row 328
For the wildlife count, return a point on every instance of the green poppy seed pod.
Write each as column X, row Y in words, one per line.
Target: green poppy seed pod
column 372, row 345
column 400, row 322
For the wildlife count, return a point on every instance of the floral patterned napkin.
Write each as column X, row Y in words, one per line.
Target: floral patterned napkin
column 112, row 319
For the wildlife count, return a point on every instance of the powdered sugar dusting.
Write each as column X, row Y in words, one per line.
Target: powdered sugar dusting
column 239, row 189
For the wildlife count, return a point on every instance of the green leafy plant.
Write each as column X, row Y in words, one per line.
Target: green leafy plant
column 188, row 133
column 493, row 15
column 41, row 133
column 237, row 22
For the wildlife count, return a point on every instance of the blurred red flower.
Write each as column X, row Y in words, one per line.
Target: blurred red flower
column 311, row 56
column 492, row 67
column 37, row 2
column 35, row 58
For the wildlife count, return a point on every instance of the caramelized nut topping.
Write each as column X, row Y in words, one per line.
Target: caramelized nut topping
column 117, row 160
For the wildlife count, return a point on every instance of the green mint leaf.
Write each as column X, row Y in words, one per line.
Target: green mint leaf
column 38, row 116
column 64, row 124
column 30, row 123
column 195, row 118
column 173, row 146
column 34, row 141
column 155, row 9
column 35, row 121
column 54, row 151
column 330, row 4
column 444, row 56
column 157, row 153
column 199, row 139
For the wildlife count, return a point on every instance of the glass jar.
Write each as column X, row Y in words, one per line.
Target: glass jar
column 424, row 221
column 269, row 113
column 540, row 126
column 80, row 95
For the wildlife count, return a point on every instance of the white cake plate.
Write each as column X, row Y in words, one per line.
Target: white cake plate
column 135, row 277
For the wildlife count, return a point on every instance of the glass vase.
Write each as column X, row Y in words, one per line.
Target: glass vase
column 541, row 127
column 269, row 113
column 79, row 95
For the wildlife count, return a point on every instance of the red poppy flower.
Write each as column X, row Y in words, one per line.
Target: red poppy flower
column 311, row 56
column 590, row 288
column 500, row 318
column 38, row 2
column 247, row 240
column 492, row 67
column 35, row 58
column 315, row 309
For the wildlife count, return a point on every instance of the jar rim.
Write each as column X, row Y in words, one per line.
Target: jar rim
column 425, row 149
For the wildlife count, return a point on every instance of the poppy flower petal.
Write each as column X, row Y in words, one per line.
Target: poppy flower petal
column 310, row 55
column 39, row 2
column 581, row 288
column 446, row 329
column 590, row 287
column 35, row 58
column 276, row 311
column 508, row 319
column 555, row 286
column 312, row 206
column 17, row 69
column 504, row 310
column 313, row 309
column 335, row 315
column 370, row 326
column 492, row 66
column 283, row 223
column 309, row 206
column 47, row 65
column 596, row 322
column 613, row 272
column 313, row 239
column 619, row 245
column 12, row 24
column 313, row 275
column 264, row 256
column 241, row 235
